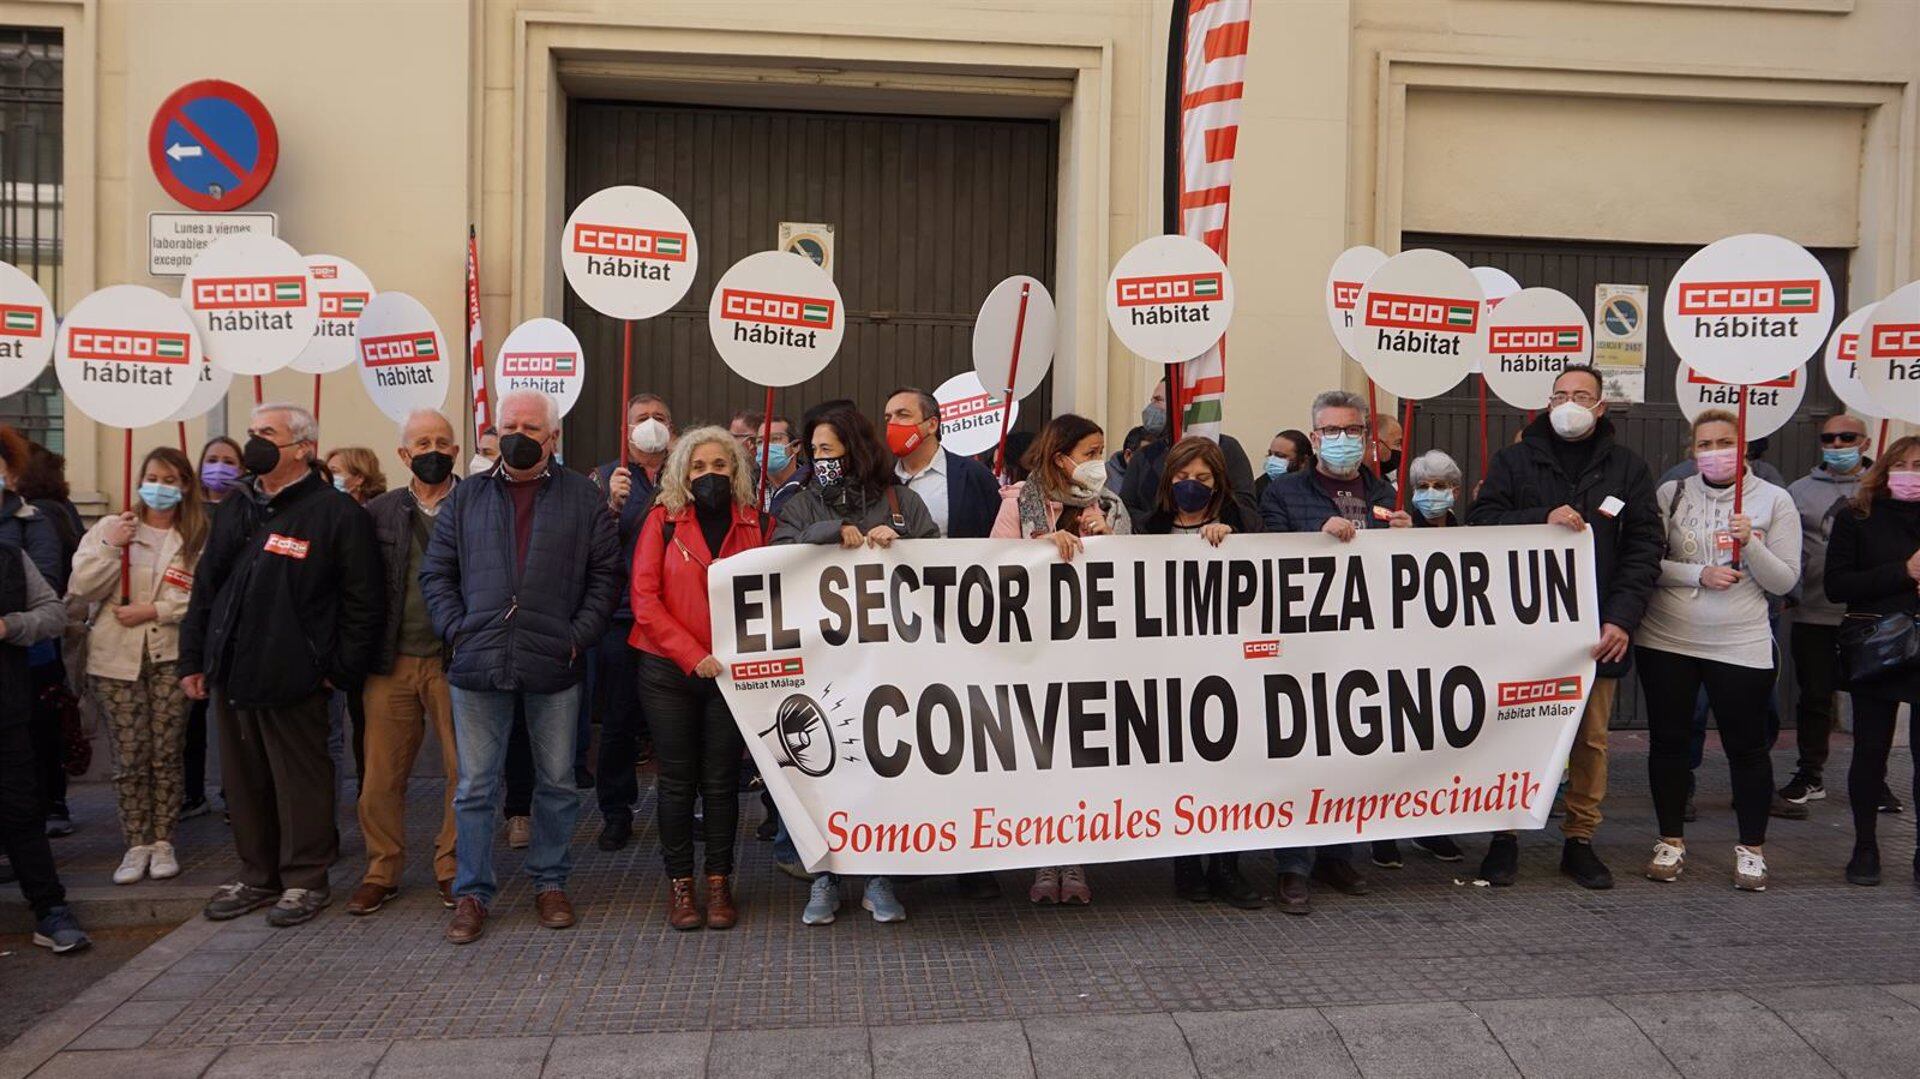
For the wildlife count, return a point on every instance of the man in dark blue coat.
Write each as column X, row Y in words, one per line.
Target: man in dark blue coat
column 521, row 576
column 960, row 493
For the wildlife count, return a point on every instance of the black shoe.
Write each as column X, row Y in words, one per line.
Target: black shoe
column 195, row 807
column 978, row 887
column 234, row 899
column 1292, row 895
column 59, row 825
column 1803, row 788
column 643, row 756
column 1864, row 867
column 1889, row 802
column 615, row 833
column 582, row 779
column 1688, row 813
column 767, row 829
column 1501, row 866
column 1386, row 854
column 7, row 875
column 1340, row 875
column 1441, row 847
column 298, row 906
column 1227, row 885
column 1190, row 878
column 1786, row 809
column 1578, row 861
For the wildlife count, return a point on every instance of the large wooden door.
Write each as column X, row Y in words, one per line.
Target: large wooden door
column 929, row 214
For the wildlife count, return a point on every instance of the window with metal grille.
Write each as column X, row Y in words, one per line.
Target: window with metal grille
column 31, row 200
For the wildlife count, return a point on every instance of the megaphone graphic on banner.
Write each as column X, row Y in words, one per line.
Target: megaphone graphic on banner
column 801, row 731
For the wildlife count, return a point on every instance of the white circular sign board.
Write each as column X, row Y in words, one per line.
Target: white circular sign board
column 403, row 357
column 209, row 390
column 1531, row 336
column 1495, row 285
column 542, row 354
column 970, row 415
column 629, row 252
column 26, row 330
column 1749, row 308
column 1169, row 299
column 127, row 356
column 345, row 290
column 1890, row 355
column 776, row 318
column 1843, row 367
column 994, row 331
column 1770, row 404
column 1344, row 282
column 253, row 301
column 1421, row 325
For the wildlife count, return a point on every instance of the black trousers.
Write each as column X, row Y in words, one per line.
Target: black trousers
column 196, row 754
column 697, row 749
column 23, row 819
column 1738, row 697
column 617, row 689
column 49, row 740
column 1813, row 662
column 518, row 773
column 1874, row 719
column 280, row 789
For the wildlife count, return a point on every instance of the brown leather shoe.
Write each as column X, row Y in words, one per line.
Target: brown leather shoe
column 683, row 910
column 446, row 892
column 556, row 911
column 469, row 921
column 370, row 897
column 721, row 913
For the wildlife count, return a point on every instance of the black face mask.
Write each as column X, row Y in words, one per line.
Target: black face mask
column 261, row 456
column 519, row 451
column 433, row 468
column 712, row 492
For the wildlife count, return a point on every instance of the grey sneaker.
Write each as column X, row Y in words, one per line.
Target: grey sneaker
column 59, row 933
column 886, row 906
column 824, row 901
column 298, row 906
column 234, row 899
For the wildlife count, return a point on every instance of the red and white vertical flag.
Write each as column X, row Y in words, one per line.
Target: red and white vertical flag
column 476, row 343
column 1206, row 61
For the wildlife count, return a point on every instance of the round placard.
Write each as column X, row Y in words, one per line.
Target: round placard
column 1749, row 308
column 345, row 290
column 1495, row 285
column 253, row 301
column 127, row 356
column 209, row 390
column 1169, row 299
column 26, row 330
column 1017, row 307
column 1890, row 355
column 1770, row 404
column 629, row 252
column 1421, row 324
column 1531, row 336
column 1842, row 359
column 542, row 354
column 1344, row 282
column 403, row 357
column 776, row 318
column 970, row 415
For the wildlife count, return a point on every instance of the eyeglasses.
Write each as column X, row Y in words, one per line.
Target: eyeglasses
column 1356, row 431
column 1840, row 438
column 1579, row 397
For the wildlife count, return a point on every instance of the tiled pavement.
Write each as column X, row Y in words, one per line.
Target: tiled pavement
column 1425, row 977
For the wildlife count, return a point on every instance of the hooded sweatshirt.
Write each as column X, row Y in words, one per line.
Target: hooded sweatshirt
column 1818, row 495
column 1728, row 626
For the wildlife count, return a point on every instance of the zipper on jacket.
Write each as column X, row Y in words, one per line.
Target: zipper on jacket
column 513, row 604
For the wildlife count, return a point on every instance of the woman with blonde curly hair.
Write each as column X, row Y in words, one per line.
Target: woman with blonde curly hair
column 703, row 512
column 356, row 473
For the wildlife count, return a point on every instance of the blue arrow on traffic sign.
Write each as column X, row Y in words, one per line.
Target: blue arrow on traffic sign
column 212, row 145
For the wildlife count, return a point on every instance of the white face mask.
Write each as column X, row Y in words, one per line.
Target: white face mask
column 480, row 463
column 650, row 436
column 1090, row 475
column 1571, row 421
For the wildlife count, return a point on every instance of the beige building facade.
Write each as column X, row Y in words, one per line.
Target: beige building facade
column 1603, row 122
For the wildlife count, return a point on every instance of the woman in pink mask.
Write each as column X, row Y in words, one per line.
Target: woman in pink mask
column 1707, row 626
column 1873, row 566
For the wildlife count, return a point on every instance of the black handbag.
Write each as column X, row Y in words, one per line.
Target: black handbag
column 1875, row 647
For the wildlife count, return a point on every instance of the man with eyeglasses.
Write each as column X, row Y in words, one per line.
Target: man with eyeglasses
column 1568, row 470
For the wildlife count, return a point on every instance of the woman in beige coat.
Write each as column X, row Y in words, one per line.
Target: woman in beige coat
column 133, row 645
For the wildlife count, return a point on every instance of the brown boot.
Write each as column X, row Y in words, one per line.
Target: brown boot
column 683, row 911
column 469, row 921
column 721, row 913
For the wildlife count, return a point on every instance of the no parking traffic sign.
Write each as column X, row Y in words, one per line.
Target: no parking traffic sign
column 213, row 146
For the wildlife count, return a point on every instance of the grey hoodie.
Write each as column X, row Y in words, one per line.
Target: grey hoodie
column 1818, row 495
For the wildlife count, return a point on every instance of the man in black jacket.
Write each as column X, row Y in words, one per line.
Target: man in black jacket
column 407, row 688
column 520, row 577
column 1568, row 470
column 286, row 608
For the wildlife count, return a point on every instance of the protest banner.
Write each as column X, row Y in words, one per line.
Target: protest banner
column 254, row 303
column 1890, row 354
column 1748, row 308
column 542, row 354
column 26, row 330
column 403, row 356
column 1531, row 336
column 1169, row 299
column 1013, row 342
column 972, row 420
column 1421, row 329
column 1770, row 404
column 952, row 706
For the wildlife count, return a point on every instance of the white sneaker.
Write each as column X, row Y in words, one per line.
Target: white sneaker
column 1668, row 861
column 164, row 865
column 133, row 867
column 1749, row 870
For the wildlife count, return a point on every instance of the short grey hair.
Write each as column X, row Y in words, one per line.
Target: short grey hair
column 1434, row 466
column 547, row 403
column 300, row 422
column 424, row 413
column 1337, row 399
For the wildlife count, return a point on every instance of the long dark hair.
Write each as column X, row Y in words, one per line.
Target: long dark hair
column 1303, row 457
column 1057, row 439
column 869, row 466
column 44, row 477
column 1184, row 453
column 1874, row 484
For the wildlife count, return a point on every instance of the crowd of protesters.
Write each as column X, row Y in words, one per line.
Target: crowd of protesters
column 291, row 605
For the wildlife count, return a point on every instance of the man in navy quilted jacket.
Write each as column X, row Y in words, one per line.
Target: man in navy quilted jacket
column 520, row 579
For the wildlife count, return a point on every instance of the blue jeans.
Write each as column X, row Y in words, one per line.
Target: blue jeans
column 481, row 722
column 1301, row 859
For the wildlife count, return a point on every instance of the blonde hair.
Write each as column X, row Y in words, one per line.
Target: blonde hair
column 674, row 494
column 364, row 463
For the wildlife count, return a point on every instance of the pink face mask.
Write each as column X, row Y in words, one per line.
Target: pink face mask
column 1904, row 486
column 1716, row 465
